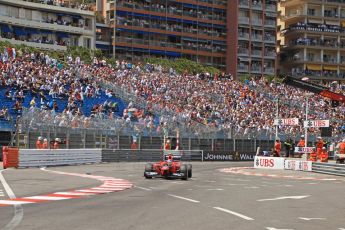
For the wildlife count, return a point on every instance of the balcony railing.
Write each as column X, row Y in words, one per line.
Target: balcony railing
column 244, row 3
column 36, row 45
column 269, row 70
column 242, row 68
column 271, row 7
column 243, row 51
column 243, row 35
column 257, row 37
column 44, row 25
column 243, row 20
column 257, row 22
column 257, row 53
column 255, row 69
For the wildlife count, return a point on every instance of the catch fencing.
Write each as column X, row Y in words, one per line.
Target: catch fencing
column 147, row 155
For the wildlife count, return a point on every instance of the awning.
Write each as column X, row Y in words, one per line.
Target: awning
column 333, row 23
column 160, row 52
column 189, row 22
column 103, row 47
column 32, row 31
column 219, row 42
column 46, row 32
column 315, row 21
column 5, row 29
column 123, row 13
column 190, row 6
column 219, row 26
column 62, row 35
column 342, row 68
column 314, row 67
column 19, row 31
column 189, row 39
column 204, row 24
column 327, row 67
column 173, row 54
column 141, row 15
column 140, row 50
column 174, row 19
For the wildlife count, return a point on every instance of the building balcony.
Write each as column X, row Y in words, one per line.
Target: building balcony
column 269, row 70
column 270, row 55
column 243, row 51
column 244, row 36
column 257, row 6
column 255, row 69
column 35, row 45
column 257, row 38
column 270, row 23
column 48, row 8
column 243, row 20
column 45, row 26
column 257, row 53
column 242, row 68
column 256, row 22
column 271, row 8
column 164, row 12
column 244, row 4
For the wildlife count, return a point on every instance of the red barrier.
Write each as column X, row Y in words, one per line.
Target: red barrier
column 10, row 157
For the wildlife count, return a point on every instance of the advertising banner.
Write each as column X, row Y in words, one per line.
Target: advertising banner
column 269, row 162
column 298, row 165
column 228, row 156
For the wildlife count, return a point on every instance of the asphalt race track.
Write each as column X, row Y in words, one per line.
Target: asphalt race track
column 211, row 200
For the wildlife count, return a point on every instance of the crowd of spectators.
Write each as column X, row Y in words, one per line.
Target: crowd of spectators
column 216, row 102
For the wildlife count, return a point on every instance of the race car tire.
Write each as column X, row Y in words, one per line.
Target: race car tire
column 148, row 168
column 184, row 170
column 189, row 167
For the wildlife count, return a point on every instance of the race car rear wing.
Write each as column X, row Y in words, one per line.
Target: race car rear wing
column 176, row 154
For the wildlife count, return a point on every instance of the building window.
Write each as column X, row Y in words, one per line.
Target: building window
column 311, row 12
column 87, row 43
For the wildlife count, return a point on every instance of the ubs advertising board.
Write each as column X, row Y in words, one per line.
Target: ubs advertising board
column 228, row 156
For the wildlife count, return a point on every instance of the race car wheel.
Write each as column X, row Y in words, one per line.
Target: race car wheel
column 148, row 168
column 189, row 167
column 184, row 170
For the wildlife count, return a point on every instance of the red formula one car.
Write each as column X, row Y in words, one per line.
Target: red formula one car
column 170, row 167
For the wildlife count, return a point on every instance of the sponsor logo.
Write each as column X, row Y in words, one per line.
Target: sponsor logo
column 267, row 163
column 246, row 157
column 224, row 157
column 228, row 156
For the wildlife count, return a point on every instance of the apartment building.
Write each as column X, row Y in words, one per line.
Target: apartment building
column 255, row 25
column 190, row 29
column 312, row 39
column 47, row 24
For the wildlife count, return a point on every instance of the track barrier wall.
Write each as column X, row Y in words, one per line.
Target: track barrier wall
column 10, row 157
column 56, row 157
column 282, row 163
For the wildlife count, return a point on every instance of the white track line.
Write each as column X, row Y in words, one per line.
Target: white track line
column 184, row 198
column 18, row 209
column 233, row 213
column 147, row 189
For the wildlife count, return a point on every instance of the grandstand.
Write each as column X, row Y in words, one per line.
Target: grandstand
column 201, row 105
